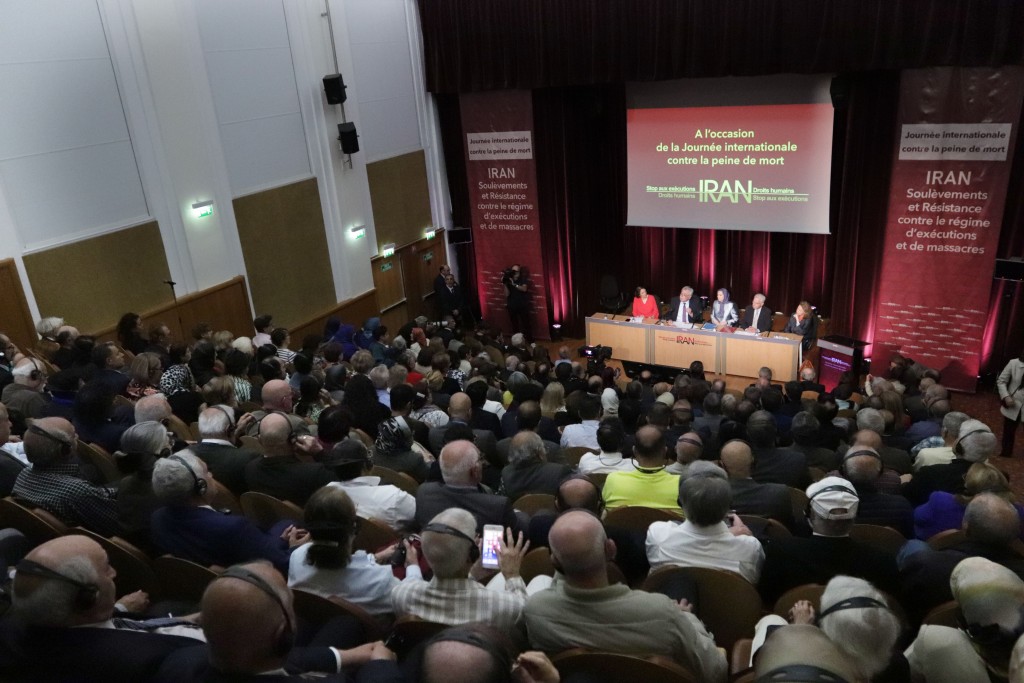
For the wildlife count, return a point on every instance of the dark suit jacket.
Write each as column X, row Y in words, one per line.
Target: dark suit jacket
column 765, row 500
column 764, row 320
column 484, row 440
column 949, row 478
column 696, row 308
column 451, row 300
column 226, row 463
column 781, row 466
column 541, row 477
column 82, row 654
column 433, row 498
column 554, row 451
column 806, row 385
column 884, row 509
column 794, row 561
column 892, row 458
column 209, row 537
column 286, row 478
column 510, row 427
column 10, row 467
column 113, row 379
column 484, row 419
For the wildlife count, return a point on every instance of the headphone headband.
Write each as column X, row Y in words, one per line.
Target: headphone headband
column 856, row 602
column 199, row 486
column 439, row 528
column 284, row 645
column 801, row 673
column 87, row 592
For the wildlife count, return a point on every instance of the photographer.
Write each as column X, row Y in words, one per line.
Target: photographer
column 516, row 286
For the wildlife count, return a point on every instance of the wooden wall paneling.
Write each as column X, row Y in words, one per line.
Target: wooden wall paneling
column 388, row 280
column 395, row 317
column 284, row 244
column 354, row 311
column 400, row 198
column 428, row 257
column 225, row 306
column 15, row 317
column 93, row 282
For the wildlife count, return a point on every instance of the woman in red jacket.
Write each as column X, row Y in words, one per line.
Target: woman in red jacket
column 644, row 304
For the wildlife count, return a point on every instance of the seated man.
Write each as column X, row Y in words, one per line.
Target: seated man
column 583, row 610
column 976, row 443
column 54, row 482
column 528, row 470
column 217, row 448
column 188, row 527
column 250, row 626
column 277, row 396
column 351, row 464
column 802, row 652
column 862, row 466
column 528, row 418
column 748, row 496
column 774, row 464
column 688, row 449
column 649, row 485
column 286, row 470
column 756, row 318
column 584, row 434
column 710, row 536
column 61, row 626
column 940, row 453
column 685, row 309
column 831, row 513
column 26, row 393
column 451, row 547
column 462, row 470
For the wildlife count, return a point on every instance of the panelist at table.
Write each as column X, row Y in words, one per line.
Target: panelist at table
column 756, row 318
column 723, row 311
column 644, row 304
column 805, row 323
column 685, row 308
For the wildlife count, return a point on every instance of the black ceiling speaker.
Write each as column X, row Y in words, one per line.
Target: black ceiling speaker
column 334, row 87
column 348, row 137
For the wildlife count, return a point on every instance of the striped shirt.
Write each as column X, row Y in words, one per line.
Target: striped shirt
column 461, row 601
column 60, row 490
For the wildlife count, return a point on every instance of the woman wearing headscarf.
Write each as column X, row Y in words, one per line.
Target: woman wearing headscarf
column 361, row 400
column 610, row 402
column 393, row 449
column 723, row 311
column 346, row 337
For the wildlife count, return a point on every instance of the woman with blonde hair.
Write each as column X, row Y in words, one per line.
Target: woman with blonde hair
column 946, row 510
column 803, row 322
column 552, row 400
column 145, row 372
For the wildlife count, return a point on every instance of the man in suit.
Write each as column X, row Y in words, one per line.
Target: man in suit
column 756, row 318
column 528, row 470
column 1011, row 393
column 60, row 625
column 439, row 287
column 461, row 466
column 831, row 513
column 528, row 419
column 109, row 361
column 808, row 381
column 217, row 448
column 774, row 464
column 975, row 444
column 188, row 526
column 286, row 470
column 480, row 418
column 684, row 308
column 249, row 621
column 748, row 496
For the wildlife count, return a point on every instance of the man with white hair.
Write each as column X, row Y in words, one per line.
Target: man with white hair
column 807, row 380
column 991, row 600
column 688, row 449
column 684, row 309
column 584, row 609
column 528, row 469
column 461, row 466
column 756, row 318
column 47, row 329
column 940, row 453
column 216, row 447
column 25, row 394
column 379, row 375
column 188, row 526
column 451, row 547
column 975, row 443
column 152, row 408
column 829, row 551
column 710, row 536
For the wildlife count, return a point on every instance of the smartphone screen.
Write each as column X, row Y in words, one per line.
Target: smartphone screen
column 492, row 535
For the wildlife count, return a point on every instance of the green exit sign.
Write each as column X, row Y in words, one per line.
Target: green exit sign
column 386, row 266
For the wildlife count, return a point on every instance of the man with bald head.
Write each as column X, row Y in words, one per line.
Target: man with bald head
column 451, row 546
column 460, row 414
column 862, row 466
column 584, row 610
column 248, row 619
column 60, row 625
column 55, row 484
column 277, row 397
column 748, row 496
column 217, row 431
column 287, row 469
column 649, row 485
column 688, row 449
column 461, row 466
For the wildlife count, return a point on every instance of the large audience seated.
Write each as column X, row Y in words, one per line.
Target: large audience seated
column 336, row 491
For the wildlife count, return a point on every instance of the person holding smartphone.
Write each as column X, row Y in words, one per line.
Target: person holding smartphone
column 452, row 548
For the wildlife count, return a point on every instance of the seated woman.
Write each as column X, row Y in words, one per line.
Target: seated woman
column 723, row 311
column 327, row 565
column 142, row 445
column 644, row 304
column 129, row 333
column 946, row 510
column 145, row 372
column 394, row 449
column 805, row 323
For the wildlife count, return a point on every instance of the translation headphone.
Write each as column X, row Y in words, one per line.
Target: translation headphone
column 437, row 528
column 833, row 487
column 856, row 602
column 692, row 442
column 199, row 486
column 231, row 418
column 286, row 639
column 958, row 448
column 853, row 454
column 37, row 373
column 65, row 446
column 85, row 596
column 801, row 673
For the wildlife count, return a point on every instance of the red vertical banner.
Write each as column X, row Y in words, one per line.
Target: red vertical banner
column 949, row 178
column 502, row 176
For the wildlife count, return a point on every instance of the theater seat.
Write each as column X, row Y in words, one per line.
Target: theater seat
column 611, row 297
